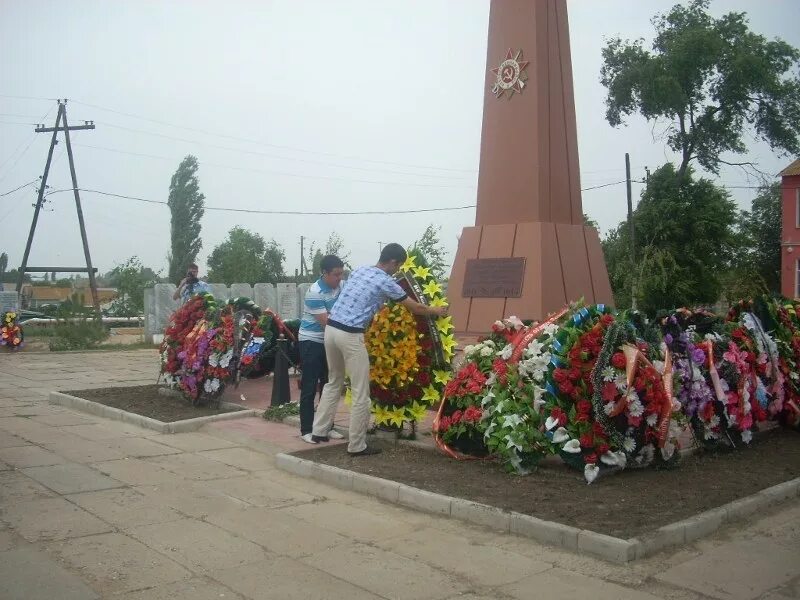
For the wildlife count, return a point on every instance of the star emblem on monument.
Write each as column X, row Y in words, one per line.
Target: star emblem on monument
column 510, row 74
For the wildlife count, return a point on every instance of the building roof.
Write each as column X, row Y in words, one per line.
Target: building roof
column 50, row 293
column 792, row 169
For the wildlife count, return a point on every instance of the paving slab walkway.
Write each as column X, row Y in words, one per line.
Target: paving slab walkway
column 92, row 508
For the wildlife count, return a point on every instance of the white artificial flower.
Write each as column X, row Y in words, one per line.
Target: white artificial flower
column 621, row 382
column 652, row 419
column 213, row 360
column 490, row 380
column 609, row 458
column 668, row 450
column 225, row 359
column 659, row 366
column 468, row 350
column 499, row 324
column 506, row 352
column 486, row 351
column 534, row 348
column 714, row 421
column 572, row 446
column 550, row 329
column 629, row 444
column 516, row 322
column 560, row 435
column 747, row 436
column 622, row 460
column 590, row 473
column 635, row 408
column 550, row 423
column 609, row 373
column 608, row 407
column 511, row 421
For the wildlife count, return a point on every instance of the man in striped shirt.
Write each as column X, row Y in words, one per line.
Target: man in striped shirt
column 318, row 302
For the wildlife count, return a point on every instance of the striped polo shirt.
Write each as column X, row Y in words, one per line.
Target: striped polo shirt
column 319, row 300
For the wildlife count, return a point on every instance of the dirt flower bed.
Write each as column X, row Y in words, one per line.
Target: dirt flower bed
column 625, row 504
column 146, row 401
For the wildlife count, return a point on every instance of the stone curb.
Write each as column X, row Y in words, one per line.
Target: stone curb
column 583, row 541
column 116, row 414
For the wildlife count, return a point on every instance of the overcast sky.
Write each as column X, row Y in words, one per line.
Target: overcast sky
column 346, row 105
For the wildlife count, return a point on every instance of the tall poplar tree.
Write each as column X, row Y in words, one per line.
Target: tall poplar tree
column 186, row 208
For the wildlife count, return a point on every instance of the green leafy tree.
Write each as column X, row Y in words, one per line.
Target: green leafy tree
column 3, row 263
column 130, row 278
column 711, row 80
column 186, row 204
column 685, row 242
column 245, row 257
column 760, row 228
column 430, row 246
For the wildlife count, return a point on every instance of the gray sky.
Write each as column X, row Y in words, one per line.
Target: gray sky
column 345, row 105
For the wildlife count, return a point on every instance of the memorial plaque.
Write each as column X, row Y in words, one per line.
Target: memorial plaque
column 494, row 278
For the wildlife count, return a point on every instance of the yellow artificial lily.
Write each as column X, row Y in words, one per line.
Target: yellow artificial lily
column 444, row 324
column 442, row 376
column 381, row 414
column 397, row 416
column 422, row 272
column 439, row 302
column 432, row 288
column 417, row 411
column 430, row 394
column 448, row 344
column 411, row 262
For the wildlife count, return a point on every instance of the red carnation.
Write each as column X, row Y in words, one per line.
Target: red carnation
column 587, row 440
column 618, row 360
column 583, row 406
column 609, row 391
column 590, row 459
column 602, row 449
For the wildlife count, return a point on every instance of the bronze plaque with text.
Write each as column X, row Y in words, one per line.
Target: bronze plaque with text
column 494, row 278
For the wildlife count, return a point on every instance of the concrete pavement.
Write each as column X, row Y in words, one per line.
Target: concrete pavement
column 91, row 508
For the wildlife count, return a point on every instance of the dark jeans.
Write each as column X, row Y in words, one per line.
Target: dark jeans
column 313, row 376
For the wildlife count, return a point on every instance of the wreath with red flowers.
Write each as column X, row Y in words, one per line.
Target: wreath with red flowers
column 11, row 334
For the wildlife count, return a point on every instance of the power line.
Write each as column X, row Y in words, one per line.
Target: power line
column 18, row 188
column 271, row 212
column 285, row 212
column 263, row 143
column 28, row 98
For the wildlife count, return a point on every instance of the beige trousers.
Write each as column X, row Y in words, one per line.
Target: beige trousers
column 346, row 353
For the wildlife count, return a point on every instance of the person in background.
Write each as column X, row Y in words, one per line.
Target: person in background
column 318, row 302
column 190, row 285
column 367, row 289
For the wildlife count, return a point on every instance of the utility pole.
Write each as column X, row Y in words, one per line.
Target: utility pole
column 302, row 257
column 633, row 232
column 61, row 125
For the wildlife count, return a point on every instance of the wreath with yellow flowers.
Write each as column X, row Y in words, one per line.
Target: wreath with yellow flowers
column 409, row 355
column 11, row 335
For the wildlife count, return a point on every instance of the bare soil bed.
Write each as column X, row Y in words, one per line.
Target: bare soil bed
column 146, row 401
column 624, row 504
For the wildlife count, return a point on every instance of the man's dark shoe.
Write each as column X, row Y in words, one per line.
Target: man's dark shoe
column 366, row 451
column 319, row 438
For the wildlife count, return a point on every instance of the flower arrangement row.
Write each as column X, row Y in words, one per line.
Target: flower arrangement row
column 11, row 335
column 208, row 345
column 606, row 390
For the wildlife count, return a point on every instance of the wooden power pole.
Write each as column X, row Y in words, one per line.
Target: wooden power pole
column 61, row 125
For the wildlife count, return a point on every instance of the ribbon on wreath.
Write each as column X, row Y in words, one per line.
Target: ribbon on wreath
column 634, row 357
column 526, row 336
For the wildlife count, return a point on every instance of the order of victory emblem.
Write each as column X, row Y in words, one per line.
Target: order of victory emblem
column 511, row 75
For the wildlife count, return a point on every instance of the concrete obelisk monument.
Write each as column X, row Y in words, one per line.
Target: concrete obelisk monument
column 529, row 252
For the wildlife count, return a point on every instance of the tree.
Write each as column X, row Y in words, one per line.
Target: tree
column 186, row 209
column 685, row 242
column 3, row 262
column 244, row 257
column 760, row 228
column 130, row 278
column 710, row 79
column 431, row 248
